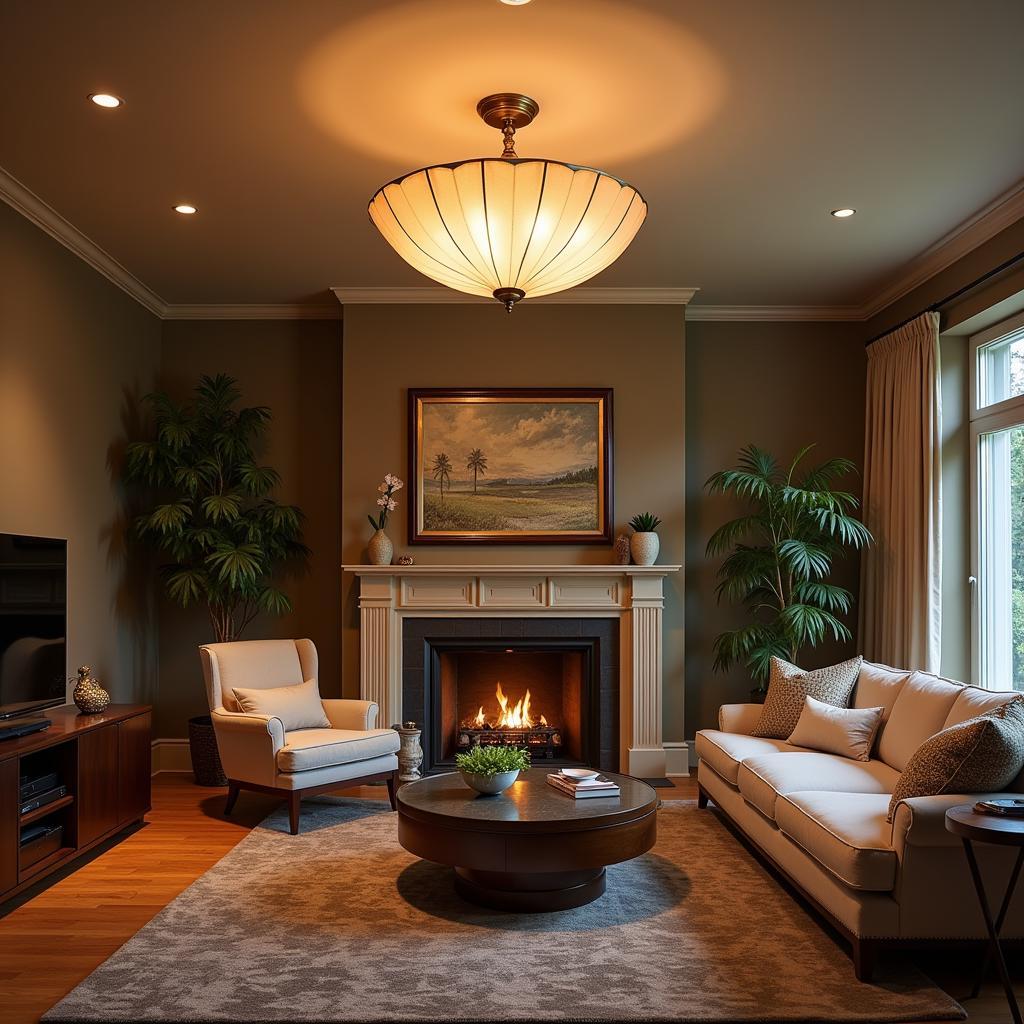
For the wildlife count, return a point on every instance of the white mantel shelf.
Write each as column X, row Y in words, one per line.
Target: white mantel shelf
column 632, row 594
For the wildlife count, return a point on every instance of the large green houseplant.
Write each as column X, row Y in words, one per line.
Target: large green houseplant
column 779, row 556
column 208, row 511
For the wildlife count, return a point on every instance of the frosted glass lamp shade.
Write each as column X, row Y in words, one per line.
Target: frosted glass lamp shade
column 506, row 228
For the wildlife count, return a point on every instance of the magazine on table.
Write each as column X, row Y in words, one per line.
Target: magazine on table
column 582, row 788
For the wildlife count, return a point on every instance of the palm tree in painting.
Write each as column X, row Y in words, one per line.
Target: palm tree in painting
column 477, row 462
column 442, row 471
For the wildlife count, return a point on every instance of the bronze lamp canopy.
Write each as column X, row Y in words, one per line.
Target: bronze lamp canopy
column 508, row 227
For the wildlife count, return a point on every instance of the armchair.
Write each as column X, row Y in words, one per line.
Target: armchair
column 259, row 754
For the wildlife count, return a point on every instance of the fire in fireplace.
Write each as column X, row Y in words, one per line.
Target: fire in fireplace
column 511, row 725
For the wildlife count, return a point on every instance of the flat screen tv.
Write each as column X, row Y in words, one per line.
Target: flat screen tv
column 33, row 624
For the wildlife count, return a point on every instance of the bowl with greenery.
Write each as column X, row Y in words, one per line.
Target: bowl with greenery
column 491, row 770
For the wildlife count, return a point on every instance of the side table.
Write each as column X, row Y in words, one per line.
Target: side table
column 972, row 827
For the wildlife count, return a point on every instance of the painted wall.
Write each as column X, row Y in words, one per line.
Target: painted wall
column 294, row 367
column 637, row 350
column 780, row 386
column 75, row 354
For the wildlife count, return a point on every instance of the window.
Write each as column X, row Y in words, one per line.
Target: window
column 997, row 473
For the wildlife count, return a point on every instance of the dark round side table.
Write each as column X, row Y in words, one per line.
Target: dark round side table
column 972, row 827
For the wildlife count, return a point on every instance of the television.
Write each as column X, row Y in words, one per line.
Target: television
column 33, row 624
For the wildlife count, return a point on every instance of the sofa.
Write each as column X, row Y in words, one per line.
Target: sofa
column 820, row 819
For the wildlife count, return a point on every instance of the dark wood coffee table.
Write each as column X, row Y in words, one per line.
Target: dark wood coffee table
column 532, row 848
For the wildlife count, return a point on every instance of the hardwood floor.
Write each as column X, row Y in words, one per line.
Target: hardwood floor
column 55, row 935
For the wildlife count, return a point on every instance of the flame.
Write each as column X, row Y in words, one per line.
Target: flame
column 543, row 720
column 518, row 717
column 480, row 721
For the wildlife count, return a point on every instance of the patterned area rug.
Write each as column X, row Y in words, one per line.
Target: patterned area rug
column 341, row 924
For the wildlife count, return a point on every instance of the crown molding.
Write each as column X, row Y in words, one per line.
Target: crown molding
column 228, row 311
column 773, row 314
column 44, row 216
column 978, row 229
column 574, row 296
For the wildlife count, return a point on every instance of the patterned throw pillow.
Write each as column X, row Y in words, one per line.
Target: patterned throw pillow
column 788, row 685
column 982, row 755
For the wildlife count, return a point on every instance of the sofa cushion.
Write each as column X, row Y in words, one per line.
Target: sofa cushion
column 972, row 701
column 982, row 755
column 878, row 686
column 298, row 706
column 919, row 712
column 788, row 685
column 764, row 778
column 724, row 751
column 323, row 748
column 846, row 732
column 846, row 833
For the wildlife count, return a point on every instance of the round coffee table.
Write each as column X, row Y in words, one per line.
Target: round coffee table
column 532, row 848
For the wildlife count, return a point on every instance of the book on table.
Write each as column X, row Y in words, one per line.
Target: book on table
column 583, row 788
column 1012, row 807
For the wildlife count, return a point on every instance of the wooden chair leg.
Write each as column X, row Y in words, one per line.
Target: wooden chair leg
column 393, row 790
column 233, row 791
column 702, row 798
column 865, row 957
column 294, row 802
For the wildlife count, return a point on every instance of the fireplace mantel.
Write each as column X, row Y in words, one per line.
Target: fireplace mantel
column 634, row 594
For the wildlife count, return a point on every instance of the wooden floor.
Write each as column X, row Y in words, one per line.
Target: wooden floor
column 55, row 935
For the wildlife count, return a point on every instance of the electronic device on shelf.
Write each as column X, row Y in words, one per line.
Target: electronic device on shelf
column 23, row 727
column 33, row 833
column 30, row 785
column 50, row 796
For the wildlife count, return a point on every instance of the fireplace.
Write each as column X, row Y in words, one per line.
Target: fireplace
column 507, row 683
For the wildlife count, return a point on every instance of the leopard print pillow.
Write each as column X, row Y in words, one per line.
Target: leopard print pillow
column 982, row 755
column 788, row 685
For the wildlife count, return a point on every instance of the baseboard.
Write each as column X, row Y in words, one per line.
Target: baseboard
column 171, row 756
column 677, row 760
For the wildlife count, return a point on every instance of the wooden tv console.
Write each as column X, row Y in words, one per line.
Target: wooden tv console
column 104, row 760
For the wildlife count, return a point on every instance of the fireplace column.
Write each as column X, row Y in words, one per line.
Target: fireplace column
column 646, row 752
column 379, row 649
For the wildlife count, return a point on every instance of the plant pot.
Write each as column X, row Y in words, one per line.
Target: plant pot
column 644, row 548
column 202, row 745
column 380, row 549
column 490, row 785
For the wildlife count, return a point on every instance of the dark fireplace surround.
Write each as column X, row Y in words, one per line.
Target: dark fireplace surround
column 528, row 652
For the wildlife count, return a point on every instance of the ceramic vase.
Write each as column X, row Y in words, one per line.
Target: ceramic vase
column 490, row 785
column 410, row 756
column 644, row 548
column 88, row 695
column 380, row 549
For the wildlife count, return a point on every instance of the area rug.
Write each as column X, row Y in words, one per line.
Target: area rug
column 341, row 924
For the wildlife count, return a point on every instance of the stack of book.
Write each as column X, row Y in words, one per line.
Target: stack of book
column 580, row 788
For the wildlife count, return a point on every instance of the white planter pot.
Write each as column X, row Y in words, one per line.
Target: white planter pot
column 644, row 548
column 490, row 785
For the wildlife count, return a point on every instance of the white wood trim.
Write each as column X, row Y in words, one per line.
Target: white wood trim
column 483, row 569
column 44, row 216
column 171, row 755
column 431, row 295
column 228, row 311
column 677, row 760
column 773, row 314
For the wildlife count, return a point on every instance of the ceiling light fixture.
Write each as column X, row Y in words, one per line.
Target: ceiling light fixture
column 508, row 227
column 845, row 211
column 107, row 100
column 186, row 208
column 515, row 3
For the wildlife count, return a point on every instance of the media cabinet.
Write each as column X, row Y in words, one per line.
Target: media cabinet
column 104, row 760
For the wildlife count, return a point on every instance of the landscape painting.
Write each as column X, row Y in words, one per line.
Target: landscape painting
column 511, row 465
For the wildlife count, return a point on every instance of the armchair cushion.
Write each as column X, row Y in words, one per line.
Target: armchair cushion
column 307, row 749
column 298, row 706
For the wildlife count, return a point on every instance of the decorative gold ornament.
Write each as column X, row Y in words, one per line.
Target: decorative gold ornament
column 507, row 226
column 90, row 697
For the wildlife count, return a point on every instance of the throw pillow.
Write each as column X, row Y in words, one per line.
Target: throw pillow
column 848, row 732
column 297, row 706
column 788, row 685
column 981, row 755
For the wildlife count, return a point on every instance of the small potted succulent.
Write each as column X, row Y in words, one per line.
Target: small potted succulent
column 491, row 770
column 644, row 544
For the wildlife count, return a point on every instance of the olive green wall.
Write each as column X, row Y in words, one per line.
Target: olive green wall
column 294, row 367
column 779, row 386
column 75, row 353
column 637, row 350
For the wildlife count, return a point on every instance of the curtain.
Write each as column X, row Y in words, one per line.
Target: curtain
column 901, row 573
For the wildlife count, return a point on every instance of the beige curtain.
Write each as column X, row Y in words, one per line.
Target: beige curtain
column 901, row 573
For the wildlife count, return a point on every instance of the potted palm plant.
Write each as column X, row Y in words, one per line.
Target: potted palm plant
column 208, row 512
column 779, row 556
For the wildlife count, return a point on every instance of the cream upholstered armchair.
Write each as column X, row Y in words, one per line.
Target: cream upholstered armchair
column 256, row 750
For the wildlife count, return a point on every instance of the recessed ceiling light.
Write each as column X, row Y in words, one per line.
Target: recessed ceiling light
column 106, row 99
column 515, row 3
column 186, row 208
column 844, row 211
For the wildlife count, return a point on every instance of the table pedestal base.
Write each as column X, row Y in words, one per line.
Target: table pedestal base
column 530, row 892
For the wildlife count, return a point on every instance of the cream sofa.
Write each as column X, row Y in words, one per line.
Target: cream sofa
column 820, row 819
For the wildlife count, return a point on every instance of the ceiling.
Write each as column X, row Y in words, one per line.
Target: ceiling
column 742, row 122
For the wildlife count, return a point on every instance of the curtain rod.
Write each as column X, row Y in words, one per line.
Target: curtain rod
column 936, row 306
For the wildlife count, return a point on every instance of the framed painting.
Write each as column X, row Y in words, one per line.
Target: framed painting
column 510, row 466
